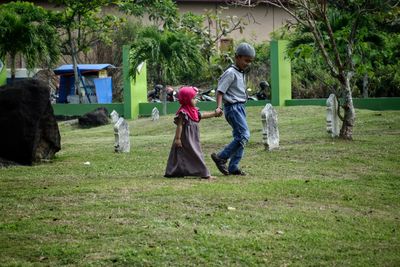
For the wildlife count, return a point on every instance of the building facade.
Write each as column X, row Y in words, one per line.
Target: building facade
column 259, row 20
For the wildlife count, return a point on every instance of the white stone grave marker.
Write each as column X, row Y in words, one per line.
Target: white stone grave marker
column 332, row 117
column 121, row 132
column 269, row 119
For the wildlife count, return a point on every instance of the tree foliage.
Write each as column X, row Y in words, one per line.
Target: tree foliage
column 26, row 29
column 170, row 53
column 210, row 28
column 378, row 60
column 82, row 25
column 161, row 12
column 197, row 32
column 334, row 28
column 374, row 57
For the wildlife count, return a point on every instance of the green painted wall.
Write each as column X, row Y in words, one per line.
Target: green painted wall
column 135, row 91
column 3, row 73
column 146, row 108
column 281, row 77
column 306, row 102
column 172, row 107
column 257, row 103
column 384, row 103
column 392, row 103
column 80, row 109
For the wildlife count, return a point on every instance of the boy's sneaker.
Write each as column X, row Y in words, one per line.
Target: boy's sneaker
column 221, row 164
column 238, row 172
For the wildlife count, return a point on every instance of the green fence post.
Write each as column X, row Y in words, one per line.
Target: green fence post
column 135, row 91
column 281, row 78
column 3, row 73
column 139, row 89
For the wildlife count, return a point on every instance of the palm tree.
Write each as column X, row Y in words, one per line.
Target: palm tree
column 26, row 29
column 170, row 53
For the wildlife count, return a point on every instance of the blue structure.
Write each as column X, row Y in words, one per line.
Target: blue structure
column 103, row 92
column 101, row 87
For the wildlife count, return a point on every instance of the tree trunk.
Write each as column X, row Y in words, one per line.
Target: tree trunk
column 163, row 93
column 75, row 66
column 365, row 86
column 76, row 76
column 346, row 132
column 13, row 68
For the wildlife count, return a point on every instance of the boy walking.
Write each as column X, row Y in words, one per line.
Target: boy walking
column 232, row 93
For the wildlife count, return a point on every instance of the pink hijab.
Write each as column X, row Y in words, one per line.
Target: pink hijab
column 185, row 97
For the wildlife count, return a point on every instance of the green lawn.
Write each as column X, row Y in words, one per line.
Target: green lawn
column 315, row 202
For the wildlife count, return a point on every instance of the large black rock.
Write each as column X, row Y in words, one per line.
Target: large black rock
column 29, row 131
column 94, row 118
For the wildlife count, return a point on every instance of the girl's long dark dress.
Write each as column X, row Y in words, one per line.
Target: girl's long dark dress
column 187, row 160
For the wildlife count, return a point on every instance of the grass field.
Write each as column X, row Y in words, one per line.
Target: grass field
column 315, row 202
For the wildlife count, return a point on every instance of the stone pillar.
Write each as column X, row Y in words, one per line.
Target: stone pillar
column 121, row 132
column 269, row 119
column 332, row 117
column 281, row 78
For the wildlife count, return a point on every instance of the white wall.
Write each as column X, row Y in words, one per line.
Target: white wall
column 262, row 20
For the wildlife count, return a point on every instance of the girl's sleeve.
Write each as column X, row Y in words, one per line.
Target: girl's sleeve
column 181, row 116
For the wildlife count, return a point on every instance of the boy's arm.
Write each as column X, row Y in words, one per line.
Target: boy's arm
column 178, row 132
column 224, row 82
column 218, row 110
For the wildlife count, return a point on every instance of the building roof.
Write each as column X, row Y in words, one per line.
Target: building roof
column 68, row 69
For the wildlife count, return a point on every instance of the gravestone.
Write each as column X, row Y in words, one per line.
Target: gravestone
column 114, row 116
column 155, row 114
column 332, row 117
column 121, row 132
column 269, row 119
column 29, row 130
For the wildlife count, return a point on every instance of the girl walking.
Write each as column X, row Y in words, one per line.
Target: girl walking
column 186, row 157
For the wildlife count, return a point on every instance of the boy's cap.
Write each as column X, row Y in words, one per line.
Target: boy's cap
column 245, row 49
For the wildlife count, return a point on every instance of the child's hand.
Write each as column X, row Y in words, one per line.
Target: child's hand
column 178, row 142
column 218, row 112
